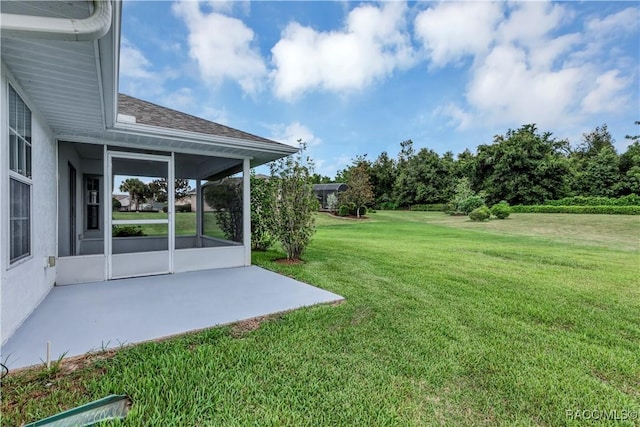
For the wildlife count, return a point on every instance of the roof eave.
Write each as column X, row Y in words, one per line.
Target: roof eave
column 200, row 138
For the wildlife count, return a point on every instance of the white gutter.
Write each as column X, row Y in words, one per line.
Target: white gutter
column 41, row 27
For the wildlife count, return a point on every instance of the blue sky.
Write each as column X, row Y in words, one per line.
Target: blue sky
column 353, row 78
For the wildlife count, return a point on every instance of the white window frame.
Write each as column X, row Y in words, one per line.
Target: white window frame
column 20, row 177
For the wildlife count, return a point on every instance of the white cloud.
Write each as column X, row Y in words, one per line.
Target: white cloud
column 291, row 133
column 372, row 44
column 607, row 95
column 133, row 63
column 530, row 22
column 218, row 115
column 525, row 69
column 625, row 21
column 227, row 6
column 224, row 53
column 137, row 74
column 505, row 89
column 449, row 31
column 458, row 118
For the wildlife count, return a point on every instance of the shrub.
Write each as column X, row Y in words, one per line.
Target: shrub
column 295, row 205
column 605, row 210
column 178, row 208
column 262, row 199
column 343, row 210
column 388, row 206
column 480, row 214
column 630, row 200
column 115, row 204
column 225, row 196
column 501, row 210
column 363, row 211
column 183, row 208
column 471, row 203
column 332, row 202
column 127, row 231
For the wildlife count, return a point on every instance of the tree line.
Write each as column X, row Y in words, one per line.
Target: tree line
column 522, row 167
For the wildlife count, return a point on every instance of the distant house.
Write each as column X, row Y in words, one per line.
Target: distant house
column 123, row 199
column 192, row 199
column 324, row 190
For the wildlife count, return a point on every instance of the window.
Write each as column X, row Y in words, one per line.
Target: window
column 92, row 197
column 19, row 177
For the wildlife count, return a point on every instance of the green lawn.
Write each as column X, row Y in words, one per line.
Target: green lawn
column 185, row 223
column 446, row 322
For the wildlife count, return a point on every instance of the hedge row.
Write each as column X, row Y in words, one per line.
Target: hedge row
column 609, row 210
column 630, row 200
column 437, row 207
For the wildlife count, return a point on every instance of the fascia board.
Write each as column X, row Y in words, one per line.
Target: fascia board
column 186, row 136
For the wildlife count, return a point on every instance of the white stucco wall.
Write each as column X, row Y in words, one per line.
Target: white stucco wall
column 25, row 283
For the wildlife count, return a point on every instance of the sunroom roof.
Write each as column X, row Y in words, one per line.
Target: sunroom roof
column 148, row 113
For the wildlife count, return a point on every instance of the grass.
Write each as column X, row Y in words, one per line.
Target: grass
column 185, row 223
column 446, row 322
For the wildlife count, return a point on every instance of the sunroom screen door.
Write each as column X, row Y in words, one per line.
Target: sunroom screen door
column 139, row 232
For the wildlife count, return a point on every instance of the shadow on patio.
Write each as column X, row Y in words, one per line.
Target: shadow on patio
column 77, row 319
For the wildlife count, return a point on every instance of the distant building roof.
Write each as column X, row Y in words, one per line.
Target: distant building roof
column 330, row 187
column 151, row 114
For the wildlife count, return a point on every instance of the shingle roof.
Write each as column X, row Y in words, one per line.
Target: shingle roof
column 151, row 114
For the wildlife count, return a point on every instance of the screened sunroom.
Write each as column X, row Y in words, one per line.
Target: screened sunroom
column 98, row 241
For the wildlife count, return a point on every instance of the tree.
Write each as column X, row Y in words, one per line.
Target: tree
column 523, row 167
column 295, row 203
column 316, row 178
column 600, row 174
column 158, row 189
column 225, row 197
column 138, row 191
column 634, row 137
column 594, row 141
column 630, row 169
column 425, row 178
column 382, row 176
column 595, row 164
column 359, row 192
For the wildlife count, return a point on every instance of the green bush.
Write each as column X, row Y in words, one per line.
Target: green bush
column 127, row 231
column 630, row 200
column 470, row 204
column 605, row 210
column 178, row 208
column 363, row 210
column 480, row 214
column 343, row 210
column 183, row 208
column 388, row 206
column 435, row 207
column 501, row 210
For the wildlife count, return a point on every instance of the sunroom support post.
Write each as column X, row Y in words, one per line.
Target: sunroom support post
column 246, row 210
column 199, row 213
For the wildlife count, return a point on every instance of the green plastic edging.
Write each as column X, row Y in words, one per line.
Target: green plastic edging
column 114, row 406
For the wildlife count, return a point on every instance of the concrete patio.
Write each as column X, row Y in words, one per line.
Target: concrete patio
column 77, row 319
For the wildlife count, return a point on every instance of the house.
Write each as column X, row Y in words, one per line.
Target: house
column 191, row 199
column 123, row 199
column 324, row 191
column 68, row 137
